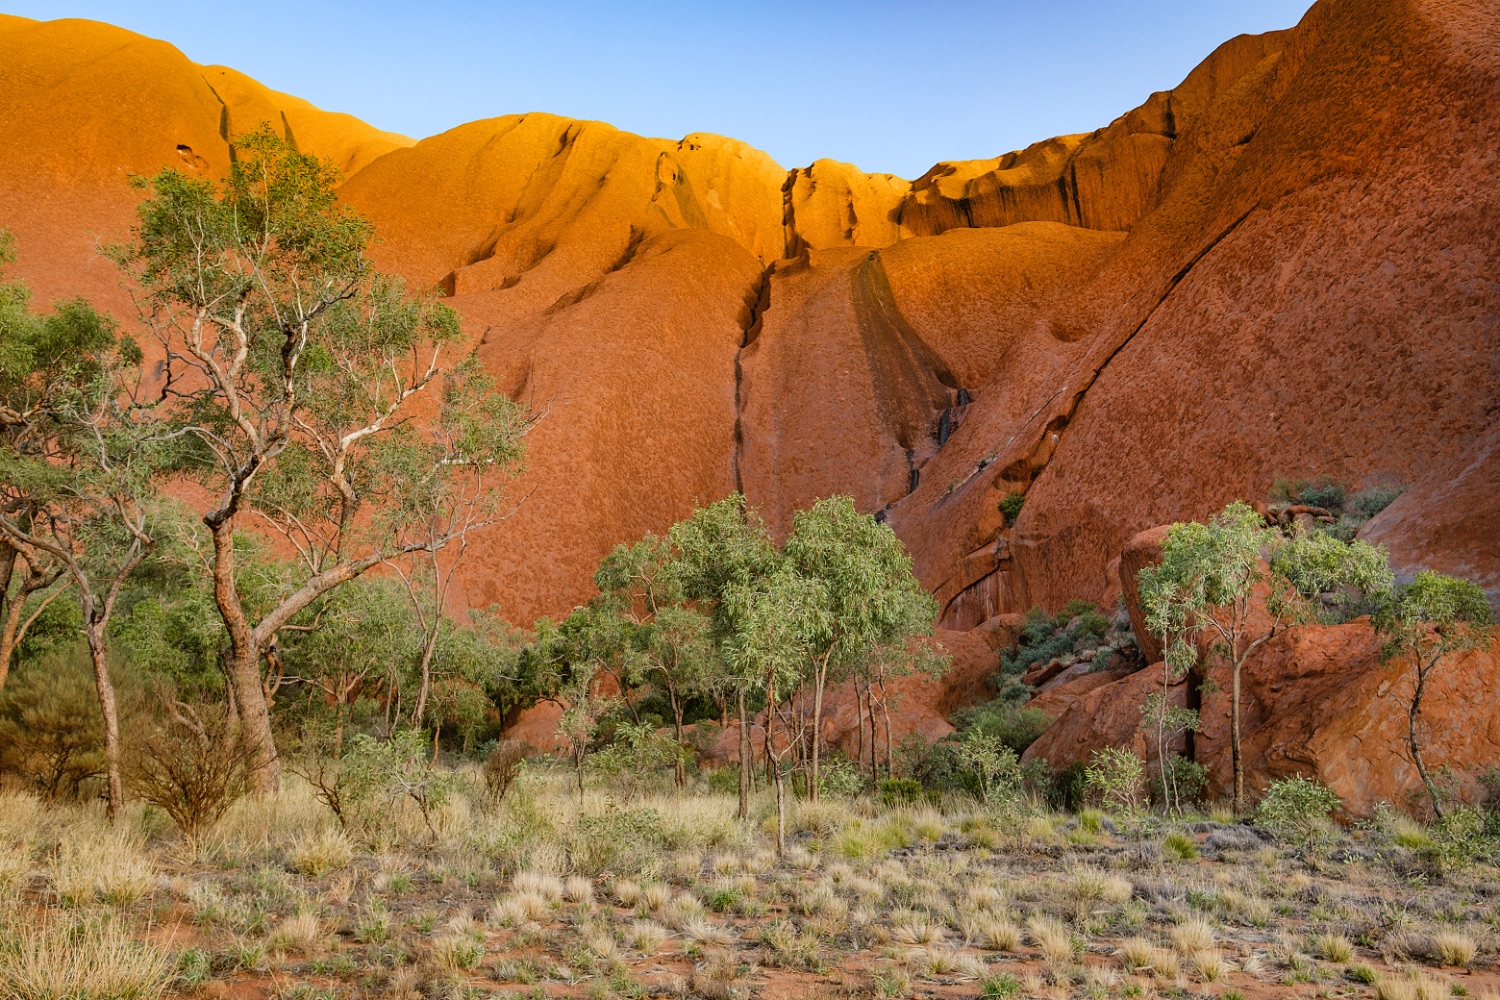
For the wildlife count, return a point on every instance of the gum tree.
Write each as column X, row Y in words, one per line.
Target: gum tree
column 77, row 475
column 871, row 599
column 290, row 371
column 776, row 622
column 668, row 638
column 723, row 551
column 1240, row 584
column 1424, row 623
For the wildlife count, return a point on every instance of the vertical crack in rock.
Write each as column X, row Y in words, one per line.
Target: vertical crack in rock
column 1023, row 472
column 756, row 303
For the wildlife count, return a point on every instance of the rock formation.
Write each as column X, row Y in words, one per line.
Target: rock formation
column 1283, row 267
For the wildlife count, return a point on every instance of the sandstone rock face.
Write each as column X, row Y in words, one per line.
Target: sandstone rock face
column 1449, row 521
column 1317, row 702
column 1305, row 297
column 1282, row 267
column 1141, row 551
column 85, row 105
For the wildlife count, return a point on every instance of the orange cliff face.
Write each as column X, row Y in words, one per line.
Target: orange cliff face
column 84, row 106
column 1283, row 267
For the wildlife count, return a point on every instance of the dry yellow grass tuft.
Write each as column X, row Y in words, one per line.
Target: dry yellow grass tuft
column 82, row 960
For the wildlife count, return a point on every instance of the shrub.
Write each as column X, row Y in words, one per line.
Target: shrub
column 1114, row 775
column 900, row 791
column 1011, row 506
column 622, row 840
column 1189, row 776
column 639, row 752
column 1323, row 493
column 1374, row 499
column 401, row 766
column 501, row 767
column 994, row 767
column 838, row 777
column 1016, row 726
column 1297, row 808
column 190, row 764
column 50, row 734
column 1459, row 837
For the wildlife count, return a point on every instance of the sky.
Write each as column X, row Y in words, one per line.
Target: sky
column 891, row 87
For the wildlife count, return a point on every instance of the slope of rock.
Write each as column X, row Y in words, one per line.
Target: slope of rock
column 84, row 105
column 1282, row 267
column 1308, row 297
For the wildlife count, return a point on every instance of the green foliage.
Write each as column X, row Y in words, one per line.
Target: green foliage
column 995, row 767
column 292, row 367
column 1010, row 507
column 1297, row 808
column 1460, row 838
column 1114, row 776
column 51, row 736
column 1015, row 726
column 1375, row 499
column 1001, row 986
column 1180, row 846
column 1325, row 493
column 637, row 754
column 1077, row 627
column 1187, row 777
column 1423, row 623
column 900, row 791
column 620, row 840
column 841, row 778
column 1208, row 573
column 400, row 767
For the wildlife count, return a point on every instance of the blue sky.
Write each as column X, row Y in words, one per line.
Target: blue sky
column 891, row 87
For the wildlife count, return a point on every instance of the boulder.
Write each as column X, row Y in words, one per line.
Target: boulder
column 1143, row 550
column 1317, row 701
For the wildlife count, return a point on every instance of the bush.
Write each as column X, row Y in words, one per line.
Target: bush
column 1114, row 775
column 1189, row 777
column 190, row 764
column 1459, row 838
column 51, row 736
column 638, row 753
column 1297, row 808
column 900, row 791
column 993, row 766
column 1016, row 726
column 1373, row 500
column 1010, row 507
column 837, row 777
column 1068, row 788
column 401, row 766
column 501, row 767
column 622, row 840
column 1323, row 493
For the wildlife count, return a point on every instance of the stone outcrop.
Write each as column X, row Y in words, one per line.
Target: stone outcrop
column 1282, row 267
column 1318, row 702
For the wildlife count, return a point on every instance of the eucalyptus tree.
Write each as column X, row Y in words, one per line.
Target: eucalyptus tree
column 1424, row 623
column 669, row 639
column 77, row 472
column 723, row 551
column 871, row 598
column 288, row 379
column 777, row 620
column 1240, row 584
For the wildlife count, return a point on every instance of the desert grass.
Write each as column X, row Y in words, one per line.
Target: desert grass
column 670, row 894
column 65, row 960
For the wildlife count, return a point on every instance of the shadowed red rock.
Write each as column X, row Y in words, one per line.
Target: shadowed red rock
column 1319, row 702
